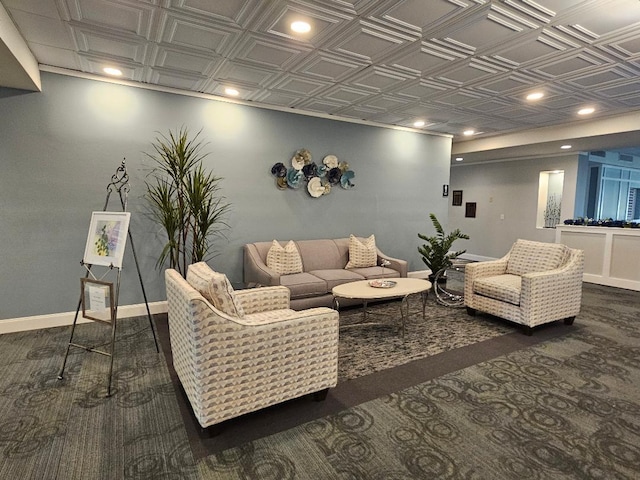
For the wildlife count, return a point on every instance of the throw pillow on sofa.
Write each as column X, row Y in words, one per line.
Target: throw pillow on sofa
column 362, row 254
column 284, row 260
column 215, row 287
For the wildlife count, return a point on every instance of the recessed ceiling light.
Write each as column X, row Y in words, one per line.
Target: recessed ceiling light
column 535, row 96
column 112, row 71
column 231, row 91
column 418, row 123
column 468, row 132
column 565, row 147
column 300, row 27
column 459, row 159
column 586, row 111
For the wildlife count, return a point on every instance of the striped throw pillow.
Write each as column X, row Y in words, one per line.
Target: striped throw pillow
column 362, row 254
column 284, row 260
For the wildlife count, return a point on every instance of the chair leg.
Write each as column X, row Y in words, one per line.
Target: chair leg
column 569, row 320
column 471, row 311
column 320, row 395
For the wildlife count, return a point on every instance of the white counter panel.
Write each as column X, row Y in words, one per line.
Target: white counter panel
column 612, row 255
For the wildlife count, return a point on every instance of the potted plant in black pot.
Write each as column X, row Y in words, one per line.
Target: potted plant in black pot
column 436, row 253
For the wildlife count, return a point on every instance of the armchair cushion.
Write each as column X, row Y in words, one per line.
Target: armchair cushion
column 505, row 288
column 284, row 260
column 527, row 256
column 215, row 287
column 362, row 254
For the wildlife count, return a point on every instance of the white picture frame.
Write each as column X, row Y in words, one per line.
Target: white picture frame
column 107, row 239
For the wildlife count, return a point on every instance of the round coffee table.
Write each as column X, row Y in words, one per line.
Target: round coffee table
column 402, row 288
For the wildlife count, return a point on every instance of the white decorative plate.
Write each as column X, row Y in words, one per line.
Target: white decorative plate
column 315, row 187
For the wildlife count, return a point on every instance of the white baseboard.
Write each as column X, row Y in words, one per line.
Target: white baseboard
column 419, row 274
column 36, row 322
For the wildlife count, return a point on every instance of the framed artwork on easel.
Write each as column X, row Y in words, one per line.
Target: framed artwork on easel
column 107, row 239
column 97, row 300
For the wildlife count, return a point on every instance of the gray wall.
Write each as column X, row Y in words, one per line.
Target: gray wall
column 60, row 147
column 509, row 188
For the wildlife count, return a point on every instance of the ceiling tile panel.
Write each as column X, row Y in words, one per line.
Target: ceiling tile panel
column 471, row 72
column 345, row 95
column 207, row 37
column 493, row 27
column 268, row 53
column 99, row 43
column 568, row 64
column 423, row 59
column 276, row 98
column 414, row 15
column 231, row 11
column 529, row 51
column 297, row 84
column 319, row 105
column 505, row 85
column 324, row 23
column 121, row 17
column 385, row 102
column 247, row 74
column 599, row 78
column 368, row 42
column 175, row 79
column 329, row 67
column 378, row 79
column 422, row 89
column 631, row 87
column 177, row 59
column 93, row 64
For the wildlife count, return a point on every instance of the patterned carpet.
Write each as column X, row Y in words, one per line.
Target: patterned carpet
column 568, row 407
column 366, row 349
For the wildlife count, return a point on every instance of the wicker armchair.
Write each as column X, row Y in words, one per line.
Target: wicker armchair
column 256, row 354
column 535, row 283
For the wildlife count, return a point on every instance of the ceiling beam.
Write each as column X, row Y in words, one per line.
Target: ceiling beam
column 18, row 66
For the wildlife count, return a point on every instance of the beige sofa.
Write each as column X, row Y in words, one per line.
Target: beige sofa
column 323, row 263
column 533, row 284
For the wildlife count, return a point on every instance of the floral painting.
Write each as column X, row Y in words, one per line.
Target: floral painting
column 107, row 239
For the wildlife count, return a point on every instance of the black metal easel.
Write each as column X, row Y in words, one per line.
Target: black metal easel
column 120, row 184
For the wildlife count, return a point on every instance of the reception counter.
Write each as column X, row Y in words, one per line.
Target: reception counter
column 611, row 254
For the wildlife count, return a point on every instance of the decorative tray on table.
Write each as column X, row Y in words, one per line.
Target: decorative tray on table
column 382, row 283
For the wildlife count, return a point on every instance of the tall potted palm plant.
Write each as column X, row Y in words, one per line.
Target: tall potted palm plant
column 184, row 199
column 436, row 253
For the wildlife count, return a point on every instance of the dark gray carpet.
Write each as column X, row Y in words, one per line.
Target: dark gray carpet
column 563, row 403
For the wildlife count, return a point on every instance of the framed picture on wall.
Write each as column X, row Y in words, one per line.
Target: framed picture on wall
column 107, row 239
column 470, row 210
column 457, row 198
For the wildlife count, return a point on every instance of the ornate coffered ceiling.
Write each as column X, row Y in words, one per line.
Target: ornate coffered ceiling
column 455, row 64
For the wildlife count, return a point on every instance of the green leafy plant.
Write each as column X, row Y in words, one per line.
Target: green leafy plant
column 436, row 252
column 184, row 200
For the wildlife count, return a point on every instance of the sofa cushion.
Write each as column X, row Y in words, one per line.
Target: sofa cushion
column 215, row 287
column 376, row 272
column 304, row 285
column 284, row 260
column 321, row 254
column 505, row 288
column 362, row 253
column 336, row 276
column 527, row 256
